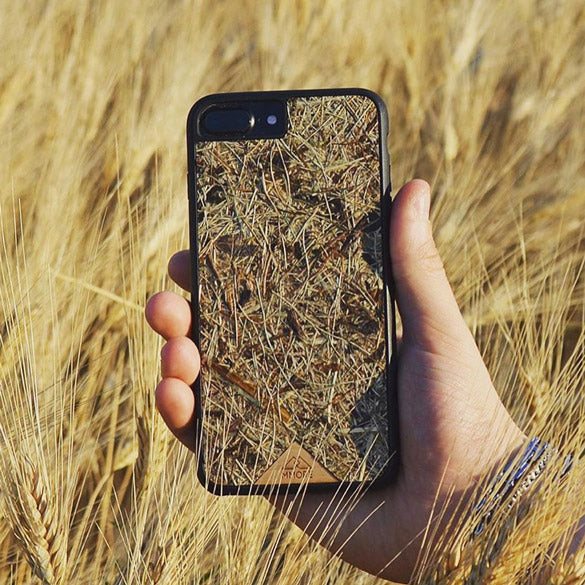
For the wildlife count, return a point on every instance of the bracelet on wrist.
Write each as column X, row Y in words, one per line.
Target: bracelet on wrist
column 469, row 555
column 512, row 483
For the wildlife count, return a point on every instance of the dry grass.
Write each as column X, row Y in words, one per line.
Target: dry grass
column 292, row 320
column 485, row 101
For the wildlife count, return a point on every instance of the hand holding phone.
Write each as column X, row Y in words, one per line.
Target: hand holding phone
column 453, row 426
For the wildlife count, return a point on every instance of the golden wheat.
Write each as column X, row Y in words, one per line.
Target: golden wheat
column 35, row 519
column 485, row 101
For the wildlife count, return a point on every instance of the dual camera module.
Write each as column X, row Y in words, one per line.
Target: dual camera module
column 243, row 120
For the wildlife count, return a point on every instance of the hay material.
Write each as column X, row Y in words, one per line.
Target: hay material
column 291, row 294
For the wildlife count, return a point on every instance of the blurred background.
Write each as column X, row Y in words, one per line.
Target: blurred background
column 486, row 103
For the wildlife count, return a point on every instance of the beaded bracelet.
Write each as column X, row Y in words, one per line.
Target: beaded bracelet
column 530, row 467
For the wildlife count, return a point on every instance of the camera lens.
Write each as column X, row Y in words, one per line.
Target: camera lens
column 227, row 121
column 242, row 118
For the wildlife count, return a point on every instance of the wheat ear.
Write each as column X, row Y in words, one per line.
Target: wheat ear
column 34, row 518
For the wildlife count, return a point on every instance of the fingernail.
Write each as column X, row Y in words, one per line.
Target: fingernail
column 422, row 203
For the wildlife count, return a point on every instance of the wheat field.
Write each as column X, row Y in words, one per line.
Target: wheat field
column 486, row 102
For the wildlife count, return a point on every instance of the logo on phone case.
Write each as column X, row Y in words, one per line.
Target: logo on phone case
column 295, row 465
column 296, row 469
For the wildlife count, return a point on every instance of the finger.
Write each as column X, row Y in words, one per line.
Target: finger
column 180, row 359
column 180, row 269
column 169, row 314
column 176, row 403
column 428, row 308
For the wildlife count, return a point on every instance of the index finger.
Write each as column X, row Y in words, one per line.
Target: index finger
column 180, row 269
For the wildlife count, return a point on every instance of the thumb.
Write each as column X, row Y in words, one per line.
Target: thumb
column 429, row 311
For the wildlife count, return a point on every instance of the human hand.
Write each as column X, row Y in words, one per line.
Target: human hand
column 453, row 426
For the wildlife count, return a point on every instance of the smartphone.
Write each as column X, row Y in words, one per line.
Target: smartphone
column 293, row 310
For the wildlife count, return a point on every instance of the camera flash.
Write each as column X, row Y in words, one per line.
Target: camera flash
column 271, row 120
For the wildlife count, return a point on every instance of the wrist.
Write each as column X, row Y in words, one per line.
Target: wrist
column 518, row 476
column 496, row 509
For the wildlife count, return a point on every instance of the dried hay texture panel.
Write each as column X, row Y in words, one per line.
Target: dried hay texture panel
column 292, row 296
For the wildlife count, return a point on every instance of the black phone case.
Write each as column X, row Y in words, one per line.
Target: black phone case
column 292, row 302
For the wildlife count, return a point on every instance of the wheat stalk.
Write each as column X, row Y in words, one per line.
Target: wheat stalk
column 36, row 520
